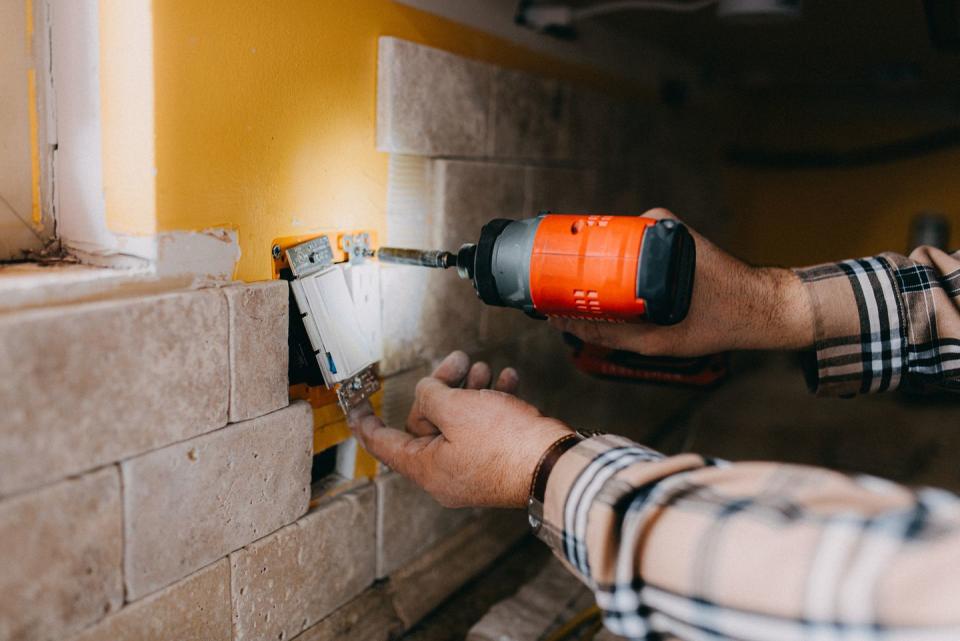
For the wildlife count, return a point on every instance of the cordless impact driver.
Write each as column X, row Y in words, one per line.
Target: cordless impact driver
column 620, row 269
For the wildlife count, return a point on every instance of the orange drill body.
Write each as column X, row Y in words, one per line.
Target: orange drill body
column 586, row 267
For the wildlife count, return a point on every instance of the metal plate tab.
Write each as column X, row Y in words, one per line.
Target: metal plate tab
column 311, row 256
column 357, row 247
column 356, row 389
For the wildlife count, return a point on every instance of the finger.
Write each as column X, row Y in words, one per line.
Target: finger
column 358, row 413
column 659, row 213
column 453, row 368
column 390, row 446
column 436, row 403
column 508, row 381
column 416, row 423
column 451, row 409
column 451, row 371
column 479, row 376
column 606, row 334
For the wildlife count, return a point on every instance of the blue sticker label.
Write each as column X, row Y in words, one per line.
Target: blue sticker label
column 331, row 364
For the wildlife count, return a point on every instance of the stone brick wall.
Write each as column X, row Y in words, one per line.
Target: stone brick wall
column 155, row 480
column 155, row 484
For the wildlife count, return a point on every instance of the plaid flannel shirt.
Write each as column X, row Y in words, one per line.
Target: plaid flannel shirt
column 886, row 320
column 691, row 548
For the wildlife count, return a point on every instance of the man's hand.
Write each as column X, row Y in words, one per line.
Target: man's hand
column 734, row 306
column 466, row 447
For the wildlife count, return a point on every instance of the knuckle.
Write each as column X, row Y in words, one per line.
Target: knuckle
column 448, row 501
column 660, row 212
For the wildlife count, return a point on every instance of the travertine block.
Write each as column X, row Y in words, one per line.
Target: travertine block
column 563, row 191
column 198, row 607
column 550, row 380
column 410, row 217
column 600, row 129
column 425, row 583
column 427, row 314
column 290, row 580
column 501, row 325
column 470, row 194
column 60, row 553
column 409, row 522
column 89, row 384
column 444, row 116
column 258, row 348
column 531, row 117
column 766, row 413
column 369, row 617
column 398, row 395
column 189, row 504
column 551, row 598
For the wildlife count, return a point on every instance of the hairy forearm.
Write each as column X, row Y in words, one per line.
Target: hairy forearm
column 779, row 309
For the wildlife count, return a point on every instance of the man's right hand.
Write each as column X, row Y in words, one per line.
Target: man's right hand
column 734, row 306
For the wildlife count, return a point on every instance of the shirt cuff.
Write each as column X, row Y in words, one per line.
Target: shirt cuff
column 860, row 331
column 588, row 492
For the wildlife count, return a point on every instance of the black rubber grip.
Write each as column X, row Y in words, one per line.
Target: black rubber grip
column 668, row 259
column 483, row 279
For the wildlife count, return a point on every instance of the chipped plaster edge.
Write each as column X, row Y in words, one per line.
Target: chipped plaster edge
column 208, row 256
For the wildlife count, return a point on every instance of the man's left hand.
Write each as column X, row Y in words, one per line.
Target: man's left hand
column 469, row 446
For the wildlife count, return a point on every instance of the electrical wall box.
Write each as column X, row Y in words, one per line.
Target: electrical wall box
column 335, row 335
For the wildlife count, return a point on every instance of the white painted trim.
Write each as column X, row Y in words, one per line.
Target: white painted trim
column 78, row 161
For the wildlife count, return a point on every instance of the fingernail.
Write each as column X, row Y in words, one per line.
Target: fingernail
column 460, row 360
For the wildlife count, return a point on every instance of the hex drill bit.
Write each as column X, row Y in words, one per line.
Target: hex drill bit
column 434, row 258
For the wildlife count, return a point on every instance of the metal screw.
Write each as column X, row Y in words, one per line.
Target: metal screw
column 276, row 251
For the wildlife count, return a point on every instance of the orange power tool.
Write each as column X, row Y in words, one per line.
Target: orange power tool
column 597, row 267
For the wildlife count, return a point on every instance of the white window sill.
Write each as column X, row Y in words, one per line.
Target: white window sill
column 25, row 285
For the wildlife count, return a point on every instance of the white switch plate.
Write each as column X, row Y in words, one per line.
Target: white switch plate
column 345, row 339
column 364, row 283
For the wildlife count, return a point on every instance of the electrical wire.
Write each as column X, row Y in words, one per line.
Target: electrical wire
column 639, row 5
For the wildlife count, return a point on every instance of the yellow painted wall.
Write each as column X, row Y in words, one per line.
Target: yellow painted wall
column 805, row 217
column 797, row 218
column 265, row 112
column 264, row 122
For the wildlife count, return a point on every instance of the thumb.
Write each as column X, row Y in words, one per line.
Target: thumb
column 394, row 448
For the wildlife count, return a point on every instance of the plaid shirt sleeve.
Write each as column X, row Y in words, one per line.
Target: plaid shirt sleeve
column 687, row 548
column 885, row 321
